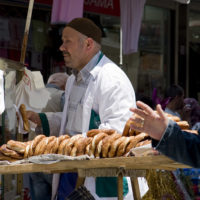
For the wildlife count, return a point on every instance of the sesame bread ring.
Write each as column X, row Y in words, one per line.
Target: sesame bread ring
column 45, row 146
column 81, row 147
column 173, row 117
column 98, row 149
column 36, row 140
column 114, row 146
column 93, row 132
column 26, row 153
column 191, row 131
column 97, row 138
column 9, row 152
column 183, row 124
column 88, row 150
column 22, row 110
column 70, row 144
column 122, row 147
column 62, row 137
column 30, row 151
column 135, row 139
column 109, row 131
column 142, row 143
column 126, row 128
column 61, row 148
column 4, row 157
column 39, row 149
column 50, row 145
column 54, row 148
column 16, row 146
column 106, row 143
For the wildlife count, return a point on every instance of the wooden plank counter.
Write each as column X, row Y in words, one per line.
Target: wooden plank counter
column 139, row 163
column 120, row 166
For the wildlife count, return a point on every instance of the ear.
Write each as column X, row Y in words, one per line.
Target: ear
column 90, row 43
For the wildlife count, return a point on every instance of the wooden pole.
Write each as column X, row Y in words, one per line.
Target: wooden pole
column 19, row 77
column 120, row 186
column 26, row 31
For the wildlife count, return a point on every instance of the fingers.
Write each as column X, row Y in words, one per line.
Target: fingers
column 144, row 107
column 143, row 110
column 138, row 111
column 160, row 111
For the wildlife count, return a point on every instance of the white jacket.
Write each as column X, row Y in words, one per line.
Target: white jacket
column 110, row 94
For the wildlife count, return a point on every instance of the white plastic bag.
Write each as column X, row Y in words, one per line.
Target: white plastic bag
column 31, row 91
column 2, row 103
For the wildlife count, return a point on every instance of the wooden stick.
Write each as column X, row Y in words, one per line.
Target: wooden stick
column 26, row 31
column 120, row 186
column 135, row 188
column 20, row 74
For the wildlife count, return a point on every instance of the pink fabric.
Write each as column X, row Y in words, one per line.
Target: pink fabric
column 63, row 11
column 131, row 18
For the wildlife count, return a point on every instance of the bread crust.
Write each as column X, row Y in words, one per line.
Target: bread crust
column 61, row 148
column 16, row 146
column 22, row 110
column 81, row 147
column 122, row 147
column 142, row 143
column 70, row 144
column 183, row 124
column 50, row 144
column 96, row 140
column 93, row 132
column 114, row 146
column 11, row 153
column 191, row 131
column 106, row 143
column 134, row 140
column 126, row 128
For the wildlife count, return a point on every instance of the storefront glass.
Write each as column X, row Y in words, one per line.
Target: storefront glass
column 154, row 49
column 194, row 54
column 149, row 67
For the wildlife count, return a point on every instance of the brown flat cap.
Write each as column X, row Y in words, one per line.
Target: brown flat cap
column 86, row 27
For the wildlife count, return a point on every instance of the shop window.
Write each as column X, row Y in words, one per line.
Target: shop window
column 154, row 50
column 194, row 54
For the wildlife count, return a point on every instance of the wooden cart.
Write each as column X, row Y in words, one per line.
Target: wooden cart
column 120, row 166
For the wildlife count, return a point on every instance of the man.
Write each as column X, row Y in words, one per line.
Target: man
column 98, row 95
column 167, row 137
column 56, row 86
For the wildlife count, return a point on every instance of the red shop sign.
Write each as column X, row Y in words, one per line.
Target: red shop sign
column 107, row 7
column 47, row 2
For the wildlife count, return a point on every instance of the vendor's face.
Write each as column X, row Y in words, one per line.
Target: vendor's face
column 74, row 48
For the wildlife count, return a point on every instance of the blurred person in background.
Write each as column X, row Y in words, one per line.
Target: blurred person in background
column 175, row 93
column 191, row 113
column 56, row 86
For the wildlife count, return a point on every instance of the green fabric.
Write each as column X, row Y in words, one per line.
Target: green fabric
column 105, row 186
column 45, row 124
column 94, row 120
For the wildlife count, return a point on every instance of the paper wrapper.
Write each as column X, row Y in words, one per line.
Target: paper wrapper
column 46, row 159
column 2, row 103
column 145, row 150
